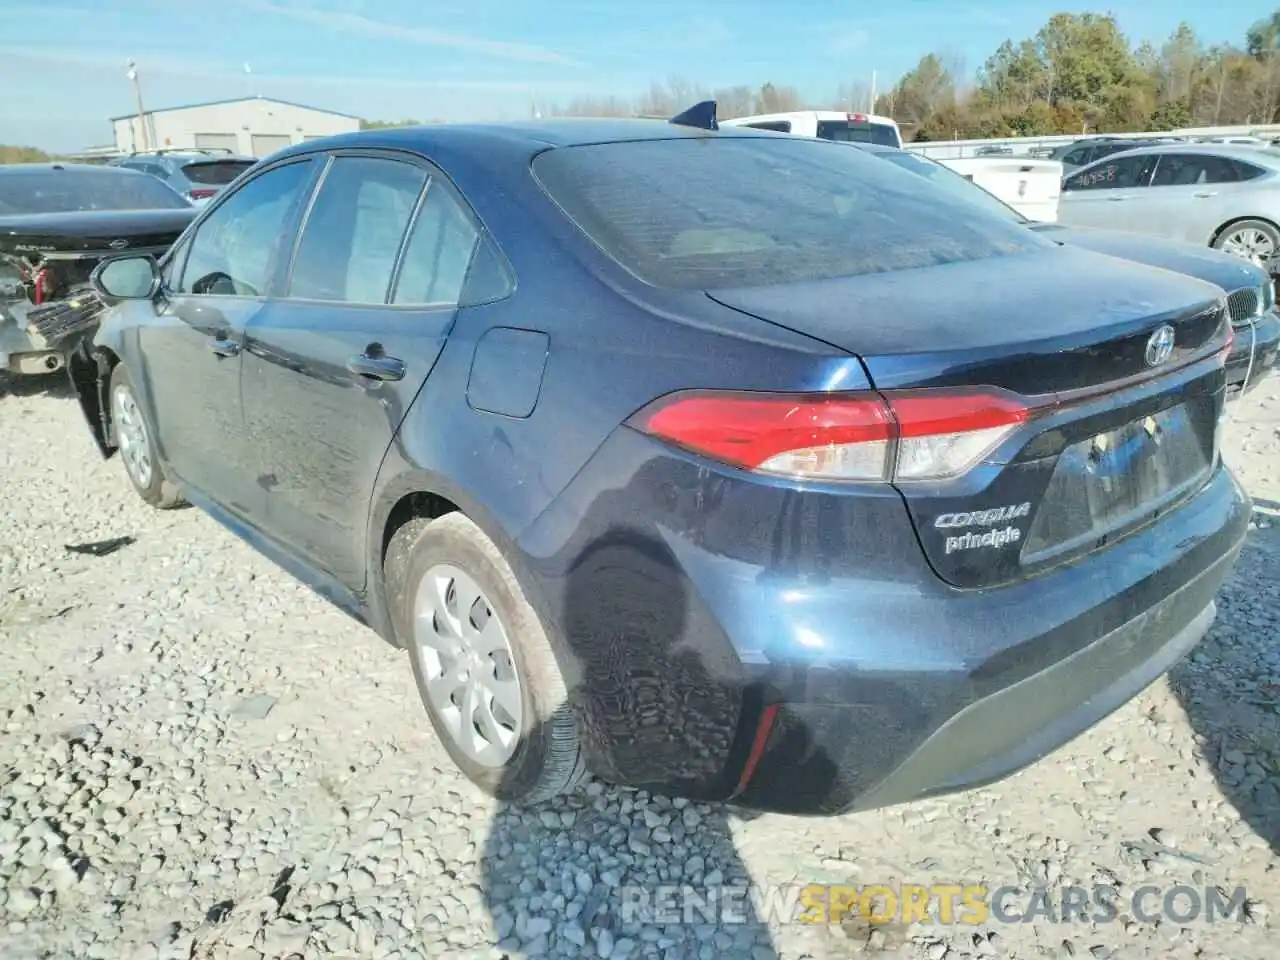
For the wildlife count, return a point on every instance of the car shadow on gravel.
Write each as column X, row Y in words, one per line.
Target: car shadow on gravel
column 1230, row 685
column 57, row 385
column 614, row 873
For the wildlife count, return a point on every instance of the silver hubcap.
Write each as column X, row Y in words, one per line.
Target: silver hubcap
column 1250, row 243
column 467, row 666
column 131, row 435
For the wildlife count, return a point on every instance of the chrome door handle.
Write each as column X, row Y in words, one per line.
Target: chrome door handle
column 1119, row 198
column 1207, row 193
column 225, row 348
column 376, row 368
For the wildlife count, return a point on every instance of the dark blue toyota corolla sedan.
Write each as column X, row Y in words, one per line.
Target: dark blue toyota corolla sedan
column 717, row 463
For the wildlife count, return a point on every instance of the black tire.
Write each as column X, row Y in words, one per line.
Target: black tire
column 548, row 760
column 156, row 489
column 1261, row 226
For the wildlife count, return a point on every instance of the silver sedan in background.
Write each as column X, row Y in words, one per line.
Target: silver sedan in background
column 1221, row 195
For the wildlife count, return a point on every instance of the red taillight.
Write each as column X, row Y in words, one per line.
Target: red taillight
column 910, row 435
column 41, row 286
column 855, row 117
column 201, row 193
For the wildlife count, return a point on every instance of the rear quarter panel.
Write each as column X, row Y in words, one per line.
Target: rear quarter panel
column 1259, row 201
column 613, row 346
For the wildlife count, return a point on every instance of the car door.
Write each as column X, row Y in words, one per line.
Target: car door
column 333, row 364
column 216, row 282
column 1190, row 194
column 1108, row 194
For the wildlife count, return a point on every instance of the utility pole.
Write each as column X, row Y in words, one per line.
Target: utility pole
column 871, row 108
column 142, row 114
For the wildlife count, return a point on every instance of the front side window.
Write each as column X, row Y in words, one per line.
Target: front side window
column 1119, row 174
column 354, row 231
column 720, row 212
column 234, row 249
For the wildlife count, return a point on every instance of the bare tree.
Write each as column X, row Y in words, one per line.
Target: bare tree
column 736, row 101
column 853, row 96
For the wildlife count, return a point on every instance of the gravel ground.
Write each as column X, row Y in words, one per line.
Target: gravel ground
column 199, row 758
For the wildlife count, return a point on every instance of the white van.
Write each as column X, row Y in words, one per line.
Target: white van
column 826, row 125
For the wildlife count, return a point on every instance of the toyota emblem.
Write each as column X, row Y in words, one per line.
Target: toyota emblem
column 1160, row 346
column 118, row 244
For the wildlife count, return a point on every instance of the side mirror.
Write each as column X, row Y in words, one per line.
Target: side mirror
column 126, row 278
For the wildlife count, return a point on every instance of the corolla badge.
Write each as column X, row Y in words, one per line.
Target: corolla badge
column 118, row 244
column 1160, row 346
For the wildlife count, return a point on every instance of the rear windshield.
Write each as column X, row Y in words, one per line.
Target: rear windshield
column 956, row 184
column 217, row 172
column 850, row 131
column 66, row 191
column 716, row 212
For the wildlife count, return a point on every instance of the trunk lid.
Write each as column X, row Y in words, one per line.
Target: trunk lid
column 94, row 232
column 1114, row 440
column 49, row 256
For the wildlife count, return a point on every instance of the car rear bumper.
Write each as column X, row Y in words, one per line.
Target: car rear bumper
column 1262, row 344
column 791, row 650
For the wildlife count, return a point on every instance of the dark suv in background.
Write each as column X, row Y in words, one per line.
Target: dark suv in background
column 1075, row 155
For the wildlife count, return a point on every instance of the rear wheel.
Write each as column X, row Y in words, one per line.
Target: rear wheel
column 133, row 438
column 482, row 661
column 1254, row 240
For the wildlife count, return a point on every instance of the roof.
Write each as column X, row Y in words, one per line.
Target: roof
column 1243, row 151
column 528, row 136
column 219, row 103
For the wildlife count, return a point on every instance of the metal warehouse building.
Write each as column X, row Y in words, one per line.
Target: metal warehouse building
column 252, row 126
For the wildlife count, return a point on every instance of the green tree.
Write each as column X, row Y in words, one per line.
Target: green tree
column 923, row 91
column 1171, row 115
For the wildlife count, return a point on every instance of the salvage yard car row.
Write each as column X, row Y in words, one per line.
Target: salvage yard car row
column 628, row 432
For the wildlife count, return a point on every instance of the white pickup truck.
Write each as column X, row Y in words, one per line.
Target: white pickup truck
column 1028, row 185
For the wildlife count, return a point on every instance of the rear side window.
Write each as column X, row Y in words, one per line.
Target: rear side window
column 439, row 252
column 354, row 231
column 1188, row 170
column 1247, row 171
column 216, row 174
column 852, row 131
column 716, row 212
column 777, row 126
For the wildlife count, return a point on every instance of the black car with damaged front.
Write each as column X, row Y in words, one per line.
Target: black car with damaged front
column 58, row 221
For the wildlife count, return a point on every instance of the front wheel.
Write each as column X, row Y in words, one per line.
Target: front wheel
column 1254, row 240
column 134, row 440
column 483, row 664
